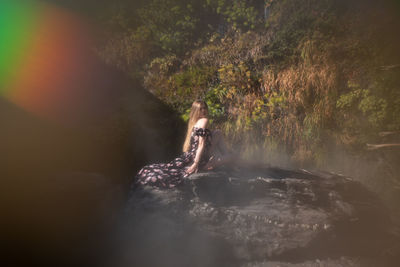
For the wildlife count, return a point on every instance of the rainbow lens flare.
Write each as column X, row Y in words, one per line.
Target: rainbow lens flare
column 45, row 58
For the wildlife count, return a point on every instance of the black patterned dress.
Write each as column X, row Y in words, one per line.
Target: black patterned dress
column 168, row 175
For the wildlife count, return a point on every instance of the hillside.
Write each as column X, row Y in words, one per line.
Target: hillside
column 294, row 83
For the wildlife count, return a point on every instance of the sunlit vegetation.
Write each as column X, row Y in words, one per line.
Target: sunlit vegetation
column 293, row 77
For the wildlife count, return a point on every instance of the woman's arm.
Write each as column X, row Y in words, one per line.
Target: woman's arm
column 195, row 166
column 202, row 123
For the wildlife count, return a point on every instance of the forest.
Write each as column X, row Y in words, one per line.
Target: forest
column 299, row 83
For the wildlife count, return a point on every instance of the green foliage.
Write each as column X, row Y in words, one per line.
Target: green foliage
column 237, row 81
column 172, row 23
column 361, row 101
column 307, row 76
column 163, row 65
column 294, row 21
column 181, row 88
column 239, row 14
column 387, row 88
column 215, row 108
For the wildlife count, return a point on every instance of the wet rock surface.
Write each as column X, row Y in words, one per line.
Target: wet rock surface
column 257, row 218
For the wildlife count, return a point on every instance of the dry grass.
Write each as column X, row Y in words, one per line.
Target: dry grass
column 296, row 126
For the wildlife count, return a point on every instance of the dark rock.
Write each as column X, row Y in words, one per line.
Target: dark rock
column 105, row 151
column 56, row 168
column 255, row 217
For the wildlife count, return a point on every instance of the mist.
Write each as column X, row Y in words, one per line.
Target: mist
column 92, row 91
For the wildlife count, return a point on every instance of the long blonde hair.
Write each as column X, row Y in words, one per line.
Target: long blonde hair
column 199, row 110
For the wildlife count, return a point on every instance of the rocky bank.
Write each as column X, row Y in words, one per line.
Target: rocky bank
column 264, row 217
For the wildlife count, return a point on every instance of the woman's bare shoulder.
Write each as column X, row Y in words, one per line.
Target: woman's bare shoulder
column 202, row 123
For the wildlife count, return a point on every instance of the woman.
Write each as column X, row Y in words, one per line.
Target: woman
column 199, row 149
